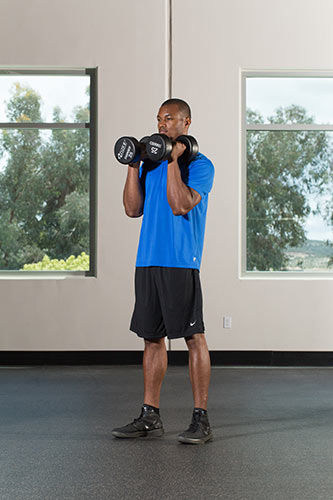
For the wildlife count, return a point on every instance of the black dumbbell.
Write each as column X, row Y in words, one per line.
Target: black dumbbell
column 159, row 147
column 128, row 149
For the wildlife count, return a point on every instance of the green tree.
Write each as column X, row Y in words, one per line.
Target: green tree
column 282, row 167
column 18, row 197
column 38, row 181
column 65, row 171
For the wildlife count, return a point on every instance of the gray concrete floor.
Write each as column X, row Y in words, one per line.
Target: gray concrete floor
column 272, row 430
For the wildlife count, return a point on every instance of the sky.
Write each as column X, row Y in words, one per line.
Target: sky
column 55, row 90
column 314, row 94
column 262, row 94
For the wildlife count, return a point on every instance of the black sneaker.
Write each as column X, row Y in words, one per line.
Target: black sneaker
column 149, row 423
column 199, row 430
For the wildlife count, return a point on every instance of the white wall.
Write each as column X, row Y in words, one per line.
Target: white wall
column 127, row 40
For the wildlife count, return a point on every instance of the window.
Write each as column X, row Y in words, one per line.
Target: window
column 47, row 172
column 287, row 151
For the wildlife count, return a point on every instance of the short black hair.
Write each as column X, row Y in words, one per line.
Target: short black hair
column 184, row 108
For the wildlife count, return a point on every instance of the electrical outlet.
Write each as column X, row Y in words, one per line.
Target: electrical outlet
column 226, row 321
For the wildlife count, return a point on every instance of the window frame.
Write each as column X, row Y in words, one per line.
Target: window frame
column 92, row 125
column 243, row 273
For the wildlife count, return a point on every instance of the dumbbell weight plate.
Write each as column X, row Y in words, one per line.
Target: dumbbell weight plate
column 127, row 150
column 158, row 147
column 145, row 139
column 192, row 147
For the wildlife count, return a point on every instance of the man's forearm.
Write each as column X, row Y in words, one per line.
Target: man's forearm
column 132, row 195
column 179, row 195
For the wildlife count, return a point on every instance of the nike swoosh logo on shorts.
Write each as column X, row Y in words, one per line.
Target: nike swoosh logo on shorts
column 191, row 324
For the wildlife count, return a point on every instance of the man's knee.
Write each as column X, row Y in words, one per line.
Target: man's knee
column 155, row 342
column 195, row 341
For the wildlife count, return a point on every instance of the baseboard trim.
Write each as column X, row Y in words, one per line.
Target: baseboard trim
column 218, row 358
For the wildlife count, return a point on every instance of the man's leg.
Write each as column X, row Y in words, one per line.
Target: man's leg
column 199, row 368
column 155, row 361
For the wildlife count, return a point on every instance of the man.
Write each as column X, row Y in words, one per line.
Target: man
column 172, row 196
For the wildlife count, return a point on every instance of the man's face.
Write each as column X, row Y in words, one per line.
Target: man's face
column 171, row 122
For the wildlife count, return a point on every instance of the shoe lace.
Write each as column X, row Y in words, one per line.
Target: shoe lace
column 139, row 419
column 195, row 422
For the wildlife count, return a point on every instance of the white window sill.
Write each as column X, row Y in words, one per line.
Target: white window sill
column 286, row 275
column 42, row 275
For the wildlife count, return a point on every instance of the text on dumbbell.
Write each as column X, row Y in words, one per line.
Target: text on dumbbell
column 122, row 149
column 129, row 153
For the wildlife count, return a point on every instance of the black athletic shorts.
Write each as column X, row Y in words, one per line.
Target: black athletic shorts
column 168, row 302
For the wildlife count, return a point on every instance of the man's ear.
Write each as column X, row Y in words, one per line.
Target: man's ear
column 187, row 122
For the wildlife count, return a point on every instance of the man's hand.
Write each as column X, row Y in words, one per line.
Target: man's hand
column 143, row 156
column 135, row 165
column 177, row 150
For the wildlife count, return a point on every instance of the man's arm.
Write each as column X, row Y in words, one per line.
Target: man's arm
column 132, row 196
column 181, row 198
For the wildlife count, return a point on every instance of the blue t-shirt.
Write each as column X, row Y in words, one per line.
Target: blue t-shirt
column 166, row 239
